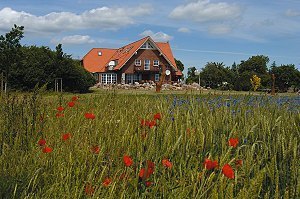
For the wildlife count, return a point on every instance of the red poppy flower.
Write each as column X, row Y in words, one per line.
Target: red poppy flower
column 71, row 104
column 233, row 142
column 42, row 142
column 209, row 164
column 148, row 183
column 95, row 149
column 89, row 116
column 152, row 124
column 89, row 190
column 66, row 136
column 60, row 108
column 238, row 163
column 167, row 163
column 58, row 115
column 127, row 160
column 157, row 116
column 146, row 173
column 228, row 171
column 47, row 149
column 74, row 98
column 106, row 181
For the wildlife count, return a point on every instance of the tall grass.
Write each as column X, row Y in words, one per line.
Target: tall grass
column 192, row 128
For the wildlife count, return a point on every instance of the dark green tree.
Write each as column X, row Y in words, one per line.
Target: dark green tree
column 9, row 51
column 179, row 64
column 191, row 76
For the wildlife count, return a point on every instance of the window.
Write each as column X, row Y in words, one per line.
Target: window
column 99, row 53
column 156, row 63
column 156, row 77
column 147, row 45
column 147, row 64
column 131, row 78
column 138, row 62
column 108, row 78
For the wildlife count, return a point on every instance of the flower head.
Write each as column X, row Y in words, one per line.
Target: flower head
column 42, row 142
column 157, row 116
column 89, row 116
column 75, row 98
column 95, row 149
column 239, row 163
column 233, row 142
column 228, row 171
column 127, row 160
column 66, row 136
column 167, row 163
column 47, row 149
column 209, row 164
column 71, row 104
column 60, row 108
column 89, row 189
column 106, row 181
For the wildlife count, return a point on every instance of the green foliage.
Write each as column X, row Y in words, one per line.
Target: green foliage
column 179, row 64
column 28, row 66
column 286, row 76
column 191, row 75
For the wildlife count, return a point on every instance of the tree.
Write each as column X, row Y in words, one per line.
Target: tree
column 255, row 82
column 286, row 76
column 9, row 50
column 179, row 64
column 191, row 76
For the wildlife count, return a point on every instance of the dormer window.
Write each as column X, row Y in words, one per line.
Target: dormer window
column 147, row 45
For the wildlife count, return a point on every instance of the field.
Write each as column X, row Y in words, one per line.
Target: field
column 136, row 145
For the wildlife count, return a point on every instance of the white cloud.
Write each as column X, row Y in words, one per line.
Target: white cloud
column 159, row 36
column 103, row 18
column 74, row 40
column 219, row 29
column 205, row 11
column 184, row 30
column 292, row 13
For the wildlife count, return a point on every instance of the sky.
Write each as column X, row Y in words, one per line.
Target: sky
column 199, row 31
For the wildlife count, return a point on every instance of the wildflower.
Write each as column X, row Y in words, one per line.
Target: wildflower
column 71, row 104
column 75, row 98
column 89, row 116
column 89, row 190
column 95, row 149
column 167, row 163
column 58, row 115
column 42, row 142
column 233, row 142
column 47, row 149
column 146, row 173
column 238, row 163
column 127, row 160
column 60, row 108
column 152, row 124
column 209, row 164
column 228, row 171
column 157, row 116
column 148, row 183
column 106, row 181
column 66, row 136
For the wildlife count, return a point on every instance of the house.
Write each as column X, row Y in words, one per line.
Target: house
column 141, row 61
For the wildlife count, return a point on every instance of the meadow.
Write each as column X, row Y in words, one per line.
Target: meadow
column 126, row 145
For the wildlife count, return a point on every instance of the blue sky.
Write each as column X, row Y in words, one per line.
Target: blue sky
column 199, row 31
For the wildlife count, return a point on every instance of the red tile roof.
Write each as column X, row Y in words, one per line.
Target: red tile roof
column 92, row 62
column 95, row 63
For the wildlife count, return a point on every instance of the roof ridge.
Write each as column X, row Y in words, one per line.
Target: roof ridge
column 133, row 42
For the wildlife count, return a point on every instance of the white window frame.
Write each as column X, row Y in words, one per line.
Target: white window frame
column 131, row 78
column 155, row 62
column 147, row 64
column 156, row 77
column 108, row 78
column 138, row 62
